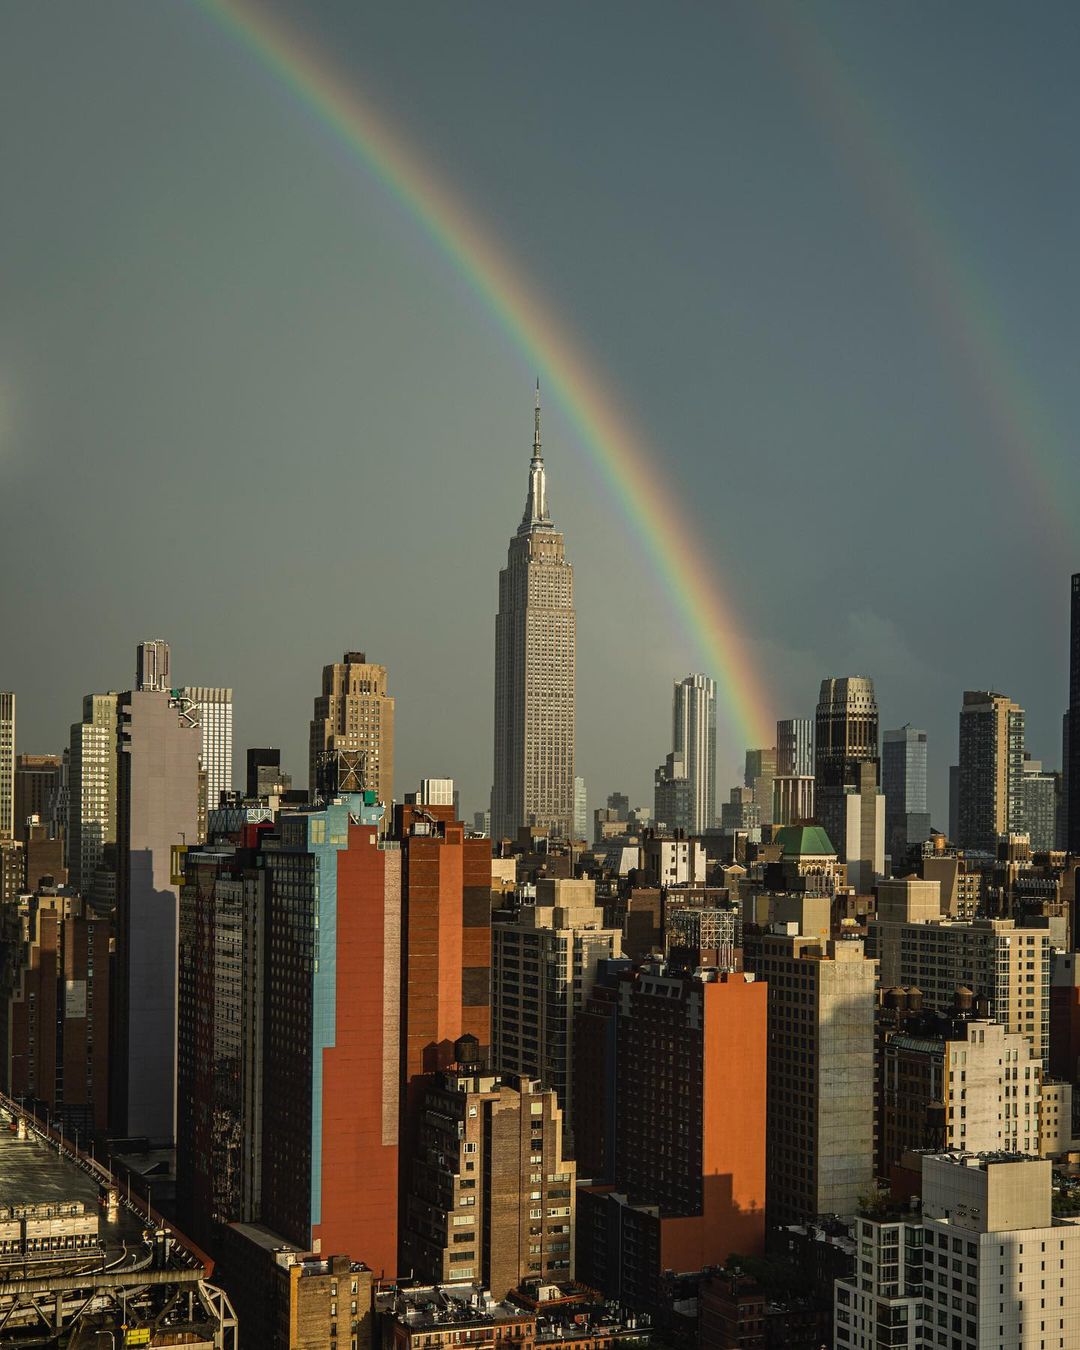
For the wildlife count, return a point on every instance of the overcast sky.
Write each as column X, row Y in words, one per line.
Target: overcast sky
column 826, row 255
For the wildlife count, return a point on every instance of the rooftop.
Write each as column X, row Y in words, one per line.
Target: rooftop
column 804, row 840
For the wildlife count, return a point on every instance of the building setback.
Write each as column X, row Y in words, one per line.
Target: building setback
column 535, row 672
column 490, row 1197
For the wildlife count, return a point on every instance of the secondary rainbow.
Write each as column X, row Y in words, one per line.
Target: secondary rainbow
column 626, row 465
column 942, row 267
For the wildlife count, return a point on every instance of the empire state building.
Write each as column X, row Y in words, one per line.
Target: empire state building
column 535, row 649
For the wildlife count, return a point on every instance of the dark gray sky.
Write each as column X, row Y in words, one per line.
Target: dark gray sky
column 827, row 254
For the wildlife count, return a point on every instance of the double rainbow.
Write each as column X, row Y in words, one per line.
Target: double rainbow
column 625, row 463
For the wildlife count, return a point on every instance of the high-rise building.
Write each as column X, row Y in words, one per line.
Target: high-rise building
column 793, row 798
column 265, row 776
column 991, row 771
column 1041, row 790
column 820, row 1073
column 903, row 780
column 581, row 809
column 535, row 672
column 152, row 666
column 156, row 817
column 435, row 792
column 37, row 782
column 214, row 709
column 7, row 765
column 693, row 736
column 332, row 1033
column 958, row 1084
column 491, row 1198
column 1072, row 728
column 544, row 963
column 995, row 1213
column 759, row 775
column 671, row 794
column 56, row 1019
column 352, row 731
column 92, row 777
column 223, row 943
column 795, row 747
column 1000, row 961
column 678, row 1088
column 847, row 798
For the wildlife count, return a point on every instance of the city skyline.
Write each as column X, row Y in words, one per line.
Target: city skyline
column 877, row 395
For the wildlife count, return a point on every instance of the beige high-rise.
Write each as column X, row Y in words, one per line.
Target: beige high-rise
column 355, row 715
column 535, row 654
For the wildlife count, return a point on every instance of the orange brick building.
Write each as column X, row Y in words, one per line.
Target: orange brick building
column 688, row 1183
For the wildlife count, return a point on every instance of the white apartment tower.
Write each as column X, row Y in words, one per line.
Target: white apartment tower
column 215, row 714
column 92, row 770
column 693, row 736
column 535, row 671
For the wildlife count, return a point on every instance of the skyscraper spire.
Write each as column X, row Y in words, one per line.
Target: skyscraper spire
column 536, row 434
column 536, row 513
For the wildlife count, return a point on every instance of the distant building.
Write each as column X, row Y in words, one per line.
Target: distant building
column 490, row 1197
column 1040, row 805
column 671, row 793
column 535, row 672
column 351, row 745
column 758, row 775
column 847, row 797
column 92, row 790
column 793, row 799
column 265, row 777
column 214, row 708
column 7, row 766
column 740, row 811
column 795, row 747
column 693, row 736
column 152, row 666
column 37, row 781
column 581, row 810
column 990, row 786
column 903, row 781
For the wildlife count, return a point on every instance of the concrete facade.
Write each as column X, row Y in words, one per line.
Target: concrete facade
column 157, row 812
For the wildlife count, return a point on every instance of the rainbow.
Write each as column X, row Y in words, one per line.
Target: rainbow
column 958, row 299
column 626, row 465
